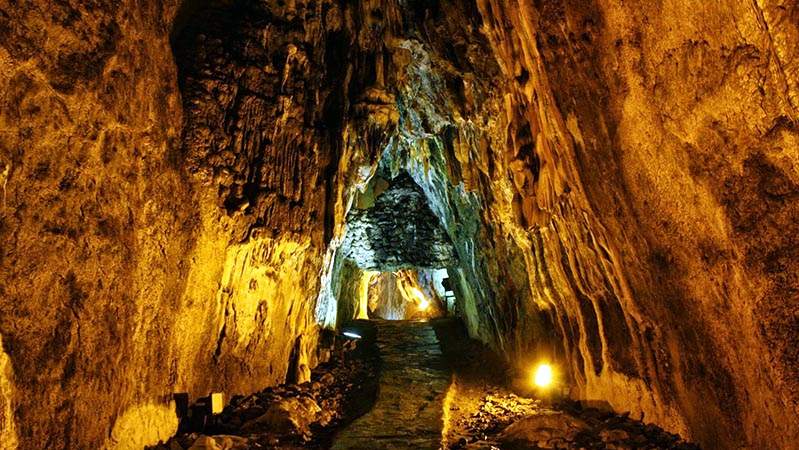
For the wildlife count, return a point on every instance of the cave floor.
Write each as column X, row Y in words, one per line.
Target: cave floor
column 414, row 385
column 489, row 407
column 414, row 379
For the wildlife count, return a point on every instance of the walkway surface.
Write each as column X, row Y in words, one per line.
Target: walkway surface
column 414, row 378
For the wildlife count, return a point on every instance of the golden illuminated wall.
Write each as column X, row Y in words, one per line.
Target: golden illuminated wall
column 128, row 273
column 8, row 427
column 401, row 296
column 619, row 180
column 655, row 215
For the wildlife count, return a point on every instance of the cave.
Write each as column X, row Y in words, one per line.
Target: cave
column 459, row 224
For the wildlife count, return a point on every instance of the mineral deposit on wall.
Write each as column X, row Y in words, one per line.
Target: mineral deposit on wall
column 612, row 183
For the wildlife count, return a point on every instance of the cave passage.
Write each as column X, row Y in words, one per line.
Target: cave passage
column 408, row 294
column 398, row 253
column 366, row 224
column 406, row 284
column 409, row 408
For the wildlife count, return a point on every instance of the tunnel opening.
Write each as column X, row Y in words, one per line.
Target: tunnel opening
column 283, row 204
column 407, row 294
column 396, row 254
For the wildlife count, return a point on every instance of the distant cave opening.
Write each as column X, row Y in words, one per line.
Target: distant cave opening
column 396, row 255
column 407, row 294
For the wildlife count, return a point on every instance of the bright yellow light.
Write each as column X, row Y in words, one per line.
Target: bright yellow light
column 421, row 300
column 543, row 375
column 424, row 304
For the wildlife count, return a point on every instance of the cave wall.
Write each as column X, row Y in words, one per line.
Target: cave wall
column 171, row 175
column 141, row 257
column 618, row 180
column 398, row 231
column 659, row 203
column 8, row 427
column 95, row 217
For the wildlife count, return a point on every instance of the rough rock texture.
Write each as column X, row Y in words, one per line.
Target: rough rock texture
column 95, row 219
column 8, row 429
column 127, row 271
column 633, row 170
column 407, row 294
column 296, row 415
column 160, row 208
column 662, row 203
column 618, row 180
column 542, row 430
column 385, row 298
column 399, row 231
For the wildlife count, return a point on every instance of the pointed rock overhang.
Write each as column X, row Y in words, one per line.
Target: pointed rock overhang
column 398, row 231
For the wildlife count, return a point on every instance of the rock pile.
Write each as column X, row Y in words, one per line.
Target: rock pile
column 485, row 414
column 510, row 422
column 294, row 415
column 497, row 412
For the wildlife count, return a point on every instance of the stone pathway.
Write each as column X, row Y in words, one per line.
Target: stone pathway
column 414, row 379
column 396, row 387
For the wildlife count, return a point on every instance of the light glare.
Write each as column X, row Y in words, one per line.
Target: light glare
column 543, row 375
column 424, row 304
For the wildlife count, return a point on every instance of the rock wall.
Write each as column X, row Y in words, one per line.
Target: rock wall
column 131, row 266
column 171, row 174
column 96, row 217
column 657, row 203
column 397, row 231
column 618, row 181
column 8, row 426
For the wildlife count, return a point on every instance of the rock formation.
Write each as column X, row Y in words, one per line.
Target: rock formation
column 397, row 231
column 619, row 182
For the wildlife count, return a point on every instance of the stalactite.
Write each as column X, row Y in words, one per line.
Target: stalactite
column 612, row 184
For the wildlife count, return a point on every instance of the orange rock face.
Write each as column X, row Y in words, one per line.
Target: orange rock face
column 618, row 179
column 674, row 128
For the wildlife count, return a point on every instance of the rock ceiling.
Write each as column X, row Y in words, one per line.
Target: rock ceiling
column 614, row 182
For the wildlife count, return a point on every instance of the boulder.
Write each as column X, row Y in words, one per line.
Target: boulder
column 221, row 442
column 288, row 416
column 542, row 431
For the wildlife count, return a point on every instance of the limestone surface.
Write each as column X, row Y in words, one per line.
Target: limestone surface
column 399, row 231
column 618, row 181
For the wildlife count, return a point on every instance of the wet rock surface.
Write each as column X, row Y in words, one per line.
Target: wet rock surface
column 408, row 413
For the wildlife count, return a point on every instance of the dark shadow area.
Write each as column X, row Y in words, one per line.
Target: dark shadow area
column 294, row 415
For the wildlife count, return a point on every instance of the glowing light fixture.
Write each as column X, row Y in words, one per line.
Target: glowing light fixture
column 350, row 334
column 217, row 403
column 543, row 376
column 424, row 304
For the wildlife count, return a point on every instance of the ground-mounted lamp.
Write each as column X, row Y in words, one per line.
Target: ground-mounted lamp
column 216, row 403
column 351, row 334
column 545, row 381
column 543, row 376
column 202, row 413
